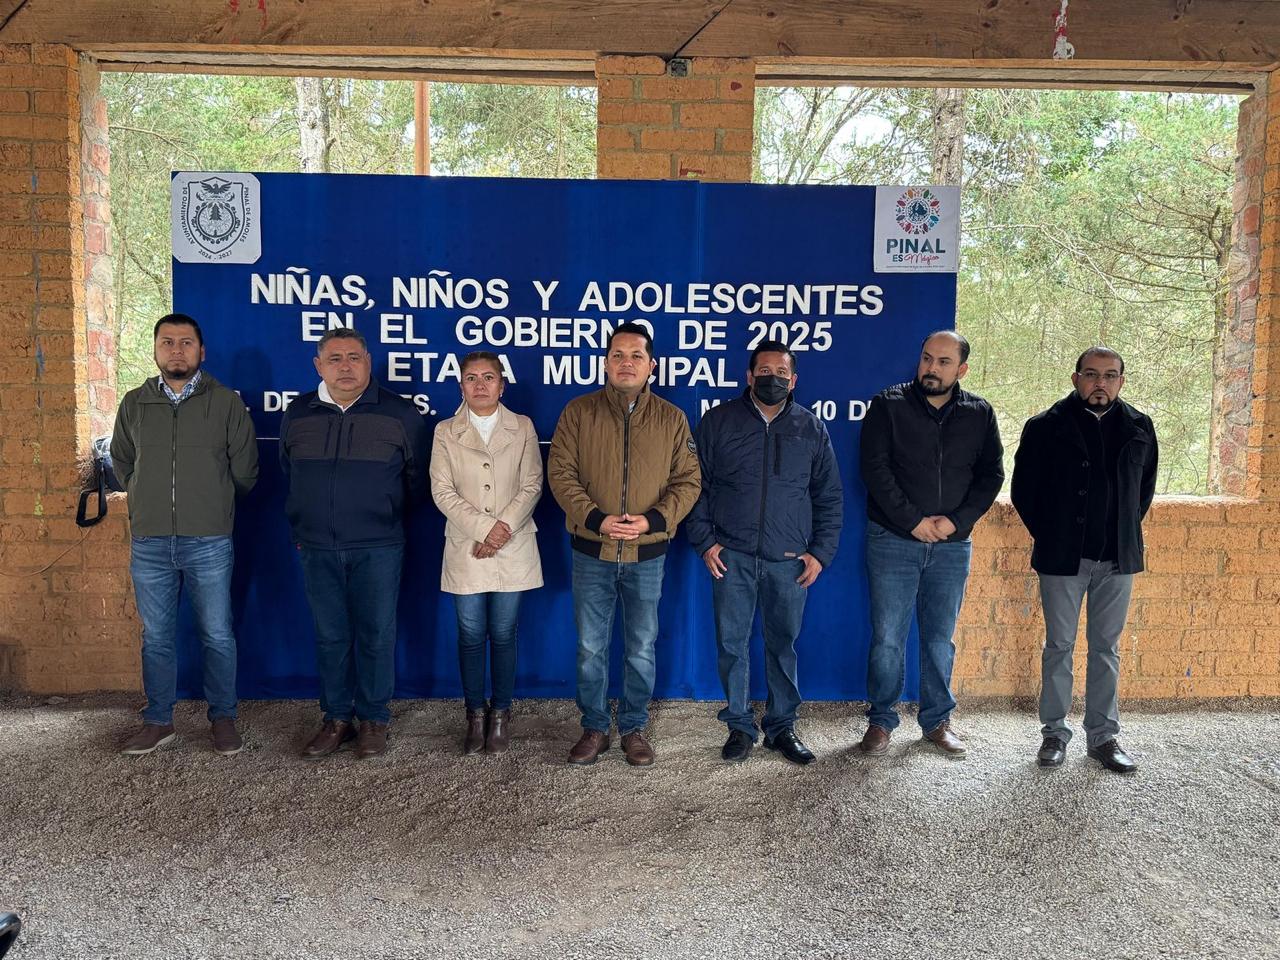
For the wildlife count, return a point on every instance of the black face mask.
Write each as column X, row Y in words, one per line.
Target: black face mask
column 771, row 391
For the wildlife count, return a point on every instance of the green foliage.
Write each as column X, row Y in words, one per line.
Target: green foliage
column 162, row 122
column 1089, row 217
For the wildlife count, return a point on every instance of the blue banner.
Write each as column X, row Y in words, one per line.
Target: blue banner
column 539, row 271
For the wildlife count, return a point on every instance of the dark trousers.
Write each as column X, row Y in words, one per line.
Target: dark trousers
column 353, row 595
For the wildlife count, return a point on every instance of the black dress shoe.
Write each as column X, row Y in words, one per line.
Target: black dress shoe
column 789, row 745
column 1052, row 752
column 1111, row 756
column 738, row 747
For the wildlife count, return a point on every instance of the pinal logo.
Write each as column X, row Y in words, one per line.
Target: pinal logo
column 918, row 211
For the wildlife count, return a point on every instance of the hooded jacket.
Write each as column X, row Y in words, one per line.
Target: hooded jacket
column 183, row 465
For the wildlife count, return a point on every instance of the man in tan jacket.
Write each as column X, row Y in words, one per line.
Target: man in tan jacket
column 624, row 468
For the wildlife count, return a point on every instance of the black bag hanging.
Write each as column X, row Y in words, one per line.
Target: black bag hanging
column 104, row 479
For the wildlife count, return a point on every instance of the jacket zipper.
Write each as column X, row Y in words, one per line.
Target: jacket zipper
column 173, row 476
column 939, row 464
column 764, row 490
column 626, row 466
column 333, row 477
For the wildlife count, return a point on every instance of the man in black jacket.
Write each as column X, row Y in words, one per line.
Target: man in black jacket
column 353, row 453
column 764, row 451
column 932, row 465
column 1083, row 479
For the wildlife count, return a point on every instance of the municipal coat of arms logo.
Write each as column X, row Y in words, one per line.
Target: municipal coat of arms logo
column 215, row 213
column 215, row 218
column 918, row 211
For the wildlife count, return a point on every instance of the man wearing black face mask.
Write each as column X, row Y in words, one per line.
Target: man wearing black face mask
column 764, row 451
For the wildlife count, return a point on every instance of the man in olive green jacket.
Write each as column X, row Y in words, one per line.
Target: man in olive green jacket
column 183, row 447
column 624, row 468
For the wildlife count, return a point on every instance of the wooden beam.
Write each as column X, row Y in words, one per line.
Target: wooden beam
column 1160, row 34
column 1055, row 74
column 546, row 78
column 447, row 69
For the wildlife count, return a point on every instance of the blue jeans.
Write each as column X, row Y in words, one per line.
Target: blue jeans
column 598, row 585
column 487, row 620
column 926, row 579
column 750, row 581
column 353, row 596
column 162, row 568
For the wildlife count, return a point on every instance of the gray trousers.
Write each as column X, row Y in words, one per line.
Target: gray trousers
column 1108, row 593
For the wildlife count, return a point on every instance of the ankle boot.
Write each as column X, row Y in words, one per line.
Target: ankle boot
column 498, row 739
column 474, row 739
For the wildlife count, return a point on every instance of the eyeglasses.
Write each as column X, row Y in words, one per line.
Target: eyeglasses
column 1093, row 376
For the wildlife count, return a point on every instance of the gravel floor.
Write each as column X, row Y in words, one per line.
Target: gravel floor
column 425, row 853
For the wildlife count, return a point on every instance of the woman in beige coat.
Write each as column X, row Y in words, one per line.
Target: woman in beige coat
column 486, row 478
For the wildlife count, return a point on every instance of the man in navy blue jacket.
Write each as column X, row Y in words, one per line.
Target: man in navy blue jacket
column 766, row 525
column 354, row 454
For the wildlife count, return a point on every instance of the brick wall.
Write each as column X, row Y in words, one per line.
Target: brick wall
column 1204, row 616
column 655, row 127
column 95, row 182
column 1233, row 356
column 1203, row 621
column 64, row 625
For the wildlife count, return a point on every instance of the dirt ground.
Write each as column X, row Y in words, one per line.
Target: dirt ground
column 426, row 853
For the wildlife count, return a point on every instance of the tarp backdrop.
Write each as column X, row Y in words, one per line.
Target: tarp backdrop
column 423, row 266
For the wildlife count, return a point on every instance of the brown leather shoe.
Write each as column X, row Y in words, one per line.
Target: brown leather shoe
column 590, row 745
column 499, row 738
column 473, row 740
column 331, row 736
column 638, row 750
column 226, row 739
column 945, row 739
column 372, row 740
column 875, row 741
column 149, row 738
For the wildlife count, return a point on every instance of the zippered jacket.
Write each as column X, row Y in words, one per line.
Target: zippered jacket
column 351, row 474
column 607, row 460
column 770, row 490
column 183, row 465
column 919, row 462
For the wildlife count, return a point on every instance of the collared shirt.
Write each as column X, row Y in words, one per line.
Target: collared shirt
column 326, row 397
column 768, row 418
column 188, row 390
column 484, row 425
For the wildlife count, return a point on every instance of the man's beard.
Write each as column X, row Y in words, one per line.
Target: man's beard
column 186, row 373
column 932, row 386
column 1098, row 402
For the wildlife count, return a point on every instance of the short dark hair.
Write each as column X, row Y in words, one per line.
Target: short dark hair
column 770, row 346
column 180, row 319
column 634, row 329
column 481, row 356
column 958, row 338
column 1097, row 350
column 342, row 333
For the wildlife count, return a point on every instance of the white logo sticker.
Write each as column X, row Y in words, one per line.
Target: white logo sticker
column 214, row 218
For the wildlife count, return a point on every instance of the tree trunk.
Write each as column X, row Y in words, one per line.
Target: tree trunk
column 947, row 152
column 313, row 124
